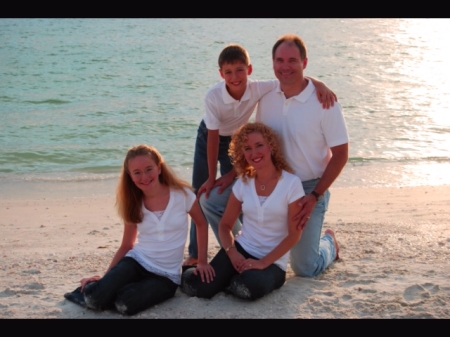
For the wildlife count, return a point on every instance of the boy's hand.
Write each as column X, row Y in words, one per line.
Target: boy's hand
column 206, row 188
column 206, row 272
column 325, row 95
column 225, row 181
column 87, row 280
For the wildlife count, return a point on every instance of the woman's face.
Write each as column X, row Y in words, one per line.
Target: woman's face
column 257, row 150
column 144, row 172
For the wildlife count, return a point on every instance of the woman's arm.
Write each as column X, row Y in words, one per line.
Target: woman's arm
column 226, row 224
column 283, row 247
column 206, row 271
column 128, row 239
column 324, row 94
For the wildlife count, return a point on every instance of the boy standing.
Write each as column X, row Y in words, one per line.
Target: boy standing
column 228, row 104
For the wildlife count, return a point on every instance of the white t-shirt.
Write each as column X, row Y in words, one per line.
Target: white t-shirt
column 159, row 247
column 226, row 114
column 264, row 227
column 307, row 130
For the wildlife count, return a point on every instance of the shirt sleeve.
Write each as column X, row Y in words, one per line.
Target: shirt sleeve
column 263, row 87
column 211, row 119
column 296, row 190
column 189, row 199
column 238, row 189
column 333, row 126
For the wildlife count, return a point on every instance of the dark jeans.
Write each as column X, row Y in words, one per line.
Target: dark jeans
column 200, row 171
column 250, row 284
column 129, row 287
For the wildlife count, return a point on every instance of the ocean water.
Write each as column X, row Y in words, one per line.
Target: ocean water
column 75, row 94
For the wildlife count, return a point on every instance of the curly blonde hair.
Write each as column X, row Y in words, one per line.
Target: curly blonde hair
column 129, row 197
column 236, row 150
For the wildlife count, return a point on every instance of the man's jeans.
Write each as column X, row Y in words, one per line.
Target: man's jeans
column 200, row 171
column 310, row 256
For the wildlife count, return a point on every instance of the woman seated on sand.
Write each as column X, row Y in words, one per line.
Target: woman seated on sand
column 154, row 205
column 254, row 264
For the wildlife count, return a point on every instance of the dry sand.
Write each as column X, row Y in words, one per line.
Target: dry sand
column 395, row 250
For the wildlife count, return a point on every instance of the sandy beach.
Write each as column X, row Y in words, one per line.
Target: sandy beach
column 394, row 249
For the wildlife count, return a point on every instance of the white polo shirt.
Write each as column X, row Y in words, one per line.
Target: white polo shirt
column 265, row 226
column 307, row 130
column 159, row 247
column 224, row 113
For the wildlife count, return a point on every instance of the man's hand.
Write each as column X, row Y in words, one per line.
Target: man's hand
column 307, row 203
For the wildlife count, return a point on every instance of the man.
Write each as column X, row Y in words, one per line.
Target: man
column 315, row 145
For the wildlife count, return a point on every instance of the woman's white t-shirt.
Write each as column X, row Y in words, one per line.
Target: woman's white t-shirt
column 266, row 225
column 160, row 243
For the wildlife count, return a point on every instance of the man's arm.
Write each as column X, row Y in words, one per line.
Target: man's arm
column 335, row 165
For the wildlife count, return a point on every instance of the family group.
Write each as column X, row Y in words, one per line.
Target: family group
column 266, row 209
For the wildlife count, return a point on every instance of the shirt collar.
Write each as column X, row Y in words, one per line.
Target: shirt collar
column 304, row 95
column 227, row 99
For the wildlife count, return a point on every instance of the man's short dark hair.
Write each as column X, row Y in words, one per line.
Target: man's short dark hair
column 294, row 40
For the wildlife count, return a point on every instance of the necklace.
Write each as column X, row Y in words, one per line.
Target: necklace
column 262, row 186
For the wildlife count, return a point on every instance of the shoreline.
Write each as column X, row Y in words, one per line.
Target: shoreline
column 394, row 249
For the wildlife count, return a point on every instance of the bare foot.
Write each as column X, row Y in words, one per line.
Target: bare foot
column 190, row 261
column 336, row 245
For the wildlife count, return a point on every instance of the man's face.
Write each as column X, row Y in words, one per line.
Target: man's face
column 288, row 65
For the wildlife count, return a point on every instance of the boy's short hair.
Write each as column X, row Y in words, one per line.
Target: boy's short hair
column 233, row 53
column 291, row 39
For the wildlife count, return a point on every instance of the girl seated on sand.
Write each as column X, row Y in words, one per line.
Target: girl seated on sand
column 154, row 205
column 254, row 264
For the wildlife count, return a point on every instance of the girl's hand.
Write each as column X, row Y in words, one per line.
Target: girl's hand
column 87, row 280
column 206, row 272
column 249, row 264
column 236, row 258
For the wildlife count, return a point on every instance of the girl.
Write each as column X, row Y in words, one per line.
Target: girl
column 154, row 205
column 254, row 264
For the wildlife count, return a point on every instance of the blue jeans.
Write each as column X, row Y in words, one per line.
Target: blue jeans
column 214, row 208
column 311, row 255
column 200, row 171
column 129, row 287
column 249, row 285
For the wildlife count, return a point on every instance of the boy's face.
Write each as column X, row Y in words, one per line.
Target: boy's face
column 235, row 76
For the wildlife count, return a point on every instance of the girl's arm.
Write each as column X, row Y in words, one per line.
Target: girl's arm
column 206, row 271
column 226, row 224
column 283, row 247
column 324, row 94
column 128, row 239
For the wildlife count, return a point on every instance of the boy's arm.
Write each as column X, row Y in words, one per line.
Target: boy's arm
column 324, row 94
column 212, row 153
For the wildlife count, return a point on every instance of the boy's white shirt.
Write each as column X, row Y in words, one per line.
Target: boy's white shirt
column 224, row 113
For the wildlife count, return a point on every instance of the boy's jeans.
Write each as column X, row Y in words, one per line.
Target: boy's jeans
column 200, row 171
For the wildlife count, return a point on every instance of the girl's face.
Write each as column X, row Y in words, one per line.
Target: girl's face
column 257, row 150
column 144, row 172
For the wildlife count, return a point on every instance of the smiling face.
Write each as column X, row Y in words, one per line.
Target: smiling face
column 288, row 64
column 235, row 76
column 144, row 172
column 257, row 151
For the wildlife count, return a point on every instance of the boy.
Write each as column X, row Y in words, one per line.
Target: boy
column 229, row 104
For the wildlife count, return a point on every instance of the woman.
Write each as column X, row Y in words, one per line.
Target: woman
column 154, row 205
column 254, row 264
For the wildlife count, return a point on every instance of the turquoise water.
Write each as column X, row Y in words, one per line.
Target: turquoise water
column 75, row 94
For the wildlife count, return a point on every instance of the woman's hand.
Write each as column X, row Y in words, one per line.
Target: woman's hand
column 251, row 264
column 206, row 272
column 236, row 258
column 87, row 280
